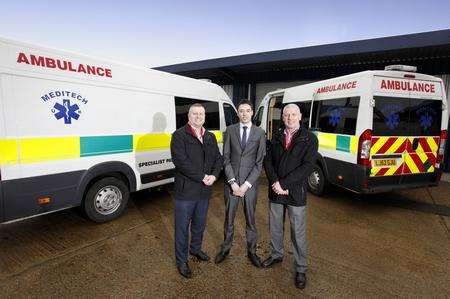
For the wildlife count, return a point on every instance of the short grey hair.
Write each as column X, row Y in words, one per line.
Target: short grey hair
column 292, row 105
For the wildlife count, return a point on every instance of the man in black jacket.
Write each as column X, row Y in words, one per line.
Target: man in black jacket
column 288, row 162
column 198, row 164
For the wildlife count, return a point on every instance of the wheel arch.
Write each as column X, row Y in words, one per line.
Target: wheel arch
column 116, row 169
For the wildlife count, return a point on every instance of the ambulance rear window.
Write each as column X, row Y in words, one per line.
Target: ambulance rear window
column 406, row 117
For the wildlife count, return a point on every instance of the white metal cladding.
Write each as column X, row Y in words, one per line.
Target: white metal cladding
column 263, row 88
column 446, row 80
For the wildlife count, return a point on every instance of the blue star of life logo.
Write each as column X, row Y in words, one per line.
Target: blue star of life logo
column 425, row 121
column 66, row 111
column 393, row 121
column 65, row 104
column 335, row 117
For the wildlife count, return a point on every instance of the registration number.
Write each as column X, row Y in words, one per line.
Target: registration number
column 384, row 162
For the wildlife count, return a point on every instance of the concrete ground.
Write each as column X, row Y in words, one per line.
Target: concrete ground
column 389, row 245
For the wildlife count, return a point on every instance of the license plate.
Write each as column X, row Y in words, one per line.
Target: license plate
column 384, row 162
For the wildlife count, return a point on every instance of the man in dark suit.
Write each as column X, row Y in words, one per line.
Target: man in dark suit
column 197, row 163
column 290, row 157
column 243, row 150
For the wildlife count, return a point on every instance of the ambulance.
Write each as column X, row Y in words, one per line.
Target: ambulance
column 378, row 131
column 80, row 131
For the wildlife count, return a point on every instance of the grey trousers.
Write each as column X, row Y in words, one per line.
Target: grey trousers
column 249, row 205
column 297, row 219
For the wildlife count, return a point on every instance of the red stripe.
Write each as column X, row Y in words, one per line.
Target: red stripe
column 399, row 170
column 418, row 162
column 386, row 146
column 437, row 139
column 374, row 140
column 382, row 171
column 406, row 169
column 401, row 148
column 423, row 142
column 431, row 158
column 409, row 148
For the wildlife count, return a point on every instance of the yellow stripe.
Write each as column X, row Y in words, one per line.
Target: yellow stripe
column 374, row 171
column 392, row 170
column 354, row 144
column 219, row 136
column 45, row 149
column 433, row 145
column 410, row 162
column 149, row 142
column 376, row 147
column 397, row 143
column 8, row 151
column 327, row 140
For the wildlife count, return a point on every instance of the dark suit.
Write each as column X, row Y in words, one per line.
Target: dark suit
column 242, row 165
column 193, row 160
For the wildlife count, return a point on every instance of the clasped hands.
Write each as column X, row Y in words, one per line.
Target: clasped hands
column 208, row 180
column 276, row 187
column 239, row 190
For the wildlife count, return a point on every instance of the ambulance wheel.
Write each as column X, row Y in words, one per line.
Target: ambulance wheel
column 106, row 199
column 317, row 182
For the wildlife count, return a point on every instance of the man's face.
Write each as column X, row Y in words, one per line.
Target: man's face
column 196, row 116
column 245, row 113
column 291, row 118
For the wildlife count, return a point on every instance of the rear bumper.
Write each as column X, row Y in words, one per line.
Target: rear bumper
column 356, row 178
column 410, row 181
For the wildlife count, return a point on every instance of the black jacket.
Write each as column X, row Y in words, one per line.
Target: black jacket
column 193, row 160
column 291, row 167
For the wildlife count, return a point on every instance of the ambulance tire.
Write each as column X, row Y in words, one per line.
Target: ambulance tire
column 106, row 199
column 317, row 182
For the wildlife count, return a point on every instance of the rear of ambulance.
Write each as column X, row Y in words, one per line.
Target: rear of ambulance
column 405, row 147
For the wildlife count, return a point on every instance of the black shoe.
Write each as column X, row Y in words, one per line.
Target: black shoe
column 256, row 261
column 184, row 270
column 300, row 280
column 220, row 257
column 270, row 261
column 201, row 256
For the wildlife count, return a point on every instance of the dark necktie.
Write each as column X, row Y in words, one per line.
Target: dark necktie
column 244, row 138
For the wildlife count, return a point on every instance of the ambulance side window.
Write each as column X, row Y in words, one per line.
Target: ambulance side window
column 212, row 119
column 258, row 117
column 305, row 109
column 336, row 116
column 230, row 114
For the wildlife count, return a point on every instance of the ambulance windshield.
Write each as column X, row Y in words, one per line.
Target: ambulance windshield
column 406, row 117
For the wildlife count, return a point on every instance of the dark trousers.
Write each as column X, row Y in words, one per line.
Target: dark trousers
column 189, row 213
column 231, row 206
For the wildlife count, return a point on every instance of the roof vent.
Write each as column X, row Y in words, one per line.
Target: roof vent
column 400, row 67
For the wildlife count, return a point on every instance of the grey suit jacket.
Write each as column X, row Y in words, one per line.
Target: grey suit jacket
column 244, row 165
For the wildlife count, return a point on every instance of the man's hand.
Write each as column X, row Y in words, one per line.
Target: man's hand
column 276, row 187
column 208, row 180
column 234, row 187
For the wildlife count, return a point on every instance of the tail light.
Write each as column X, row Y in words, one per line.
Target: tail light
column 442, row 142
column 364, row 145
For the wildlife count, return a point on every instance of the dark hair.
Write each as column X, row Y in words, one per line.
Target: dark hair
column 244, row 102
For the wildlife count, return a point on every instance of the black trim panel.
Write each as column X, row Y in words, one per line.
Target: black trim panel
column 357, row 178
column 157, row 176
column 20, row 195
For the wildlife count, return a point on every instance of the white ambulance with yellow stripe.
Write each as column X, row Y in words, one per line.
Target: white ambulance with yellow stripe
column 378, row 130
column 75, row 130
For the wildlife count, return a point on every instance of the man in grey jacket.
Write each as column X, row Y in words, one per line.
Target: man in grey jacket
column 243, row 152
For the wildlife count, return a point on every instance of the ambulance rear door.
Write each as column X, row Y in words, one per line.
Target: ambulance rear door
column 406, row 128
